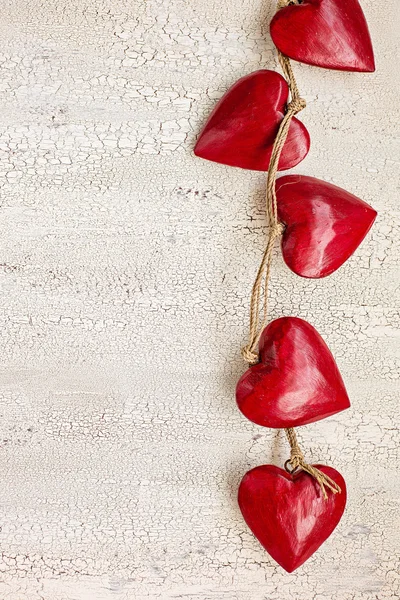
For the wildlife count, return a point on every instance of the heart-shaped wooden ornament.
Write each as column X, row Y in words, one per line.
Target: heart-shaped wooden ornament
column 288, row 513
column 297, row 381
column 324, row 224
column 325, row 33
column 241, row 130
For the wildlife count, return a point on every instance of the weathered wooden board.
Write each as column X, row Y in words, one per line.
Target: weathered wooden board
column 126, row 268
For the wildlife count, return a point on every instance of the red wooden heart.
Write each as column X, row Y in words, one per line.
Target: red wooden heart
column 288, row 513
column 241, row 130
column 297, row 381
column 325, row 33
column 324, row 224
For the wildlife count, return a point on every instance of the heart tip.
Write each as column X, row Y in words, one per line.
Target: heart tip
column 368, row 66
column 290, row 569
column 200, row 152
column 371, row 65
column 346, row 403
column 197, row 151
column 370, row 69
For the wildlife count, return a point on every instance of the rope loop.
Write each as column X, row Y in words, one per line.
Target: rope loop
column 277, row 229
column 249, row 355
column 283, row 3
column 297, row 462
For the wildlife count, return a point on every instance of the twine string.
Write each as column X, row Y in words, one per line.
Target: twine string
column 298, row 462
column 276, row 228
column 257, row 323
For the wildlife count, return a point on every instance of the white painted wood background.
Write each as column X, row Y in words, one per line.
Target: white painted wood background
column 126, row 267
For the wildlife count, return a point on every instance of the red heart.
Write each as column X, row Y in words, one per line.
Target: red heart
column 241, row 130
column 324, row 224
column 325, row 33
column 297, row 381
column 288, row 513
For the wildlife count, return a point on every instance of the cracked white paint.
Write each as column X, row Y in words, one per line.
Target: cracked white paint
column 126, row 266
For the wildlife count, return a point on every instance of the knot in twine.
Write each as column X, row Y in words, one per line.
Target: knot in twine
column 283, row 3
column 249, row 355
column 277, row 229
column 296, row 105
column 297, row 462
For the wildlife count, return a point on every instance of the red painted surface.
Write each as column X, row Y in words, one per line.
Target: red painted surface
column 324, row 224
column 241, row 130
column 297, row 381
column 325, row 33
column 288, row 513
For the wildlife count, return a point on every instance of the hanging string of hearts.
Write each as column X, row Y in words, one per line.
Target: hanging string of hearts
column 293, row 379
column 276, row 228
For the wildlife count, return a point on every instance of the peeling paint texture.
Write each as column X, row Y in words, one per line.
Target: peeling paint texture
column 126, row 267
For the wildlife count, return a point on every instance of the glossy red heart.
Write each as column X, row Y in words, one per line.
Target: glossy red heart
column 297, row 381
column 241, row 130
column 324, row 224
column 325, row 33
column 288, row 513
